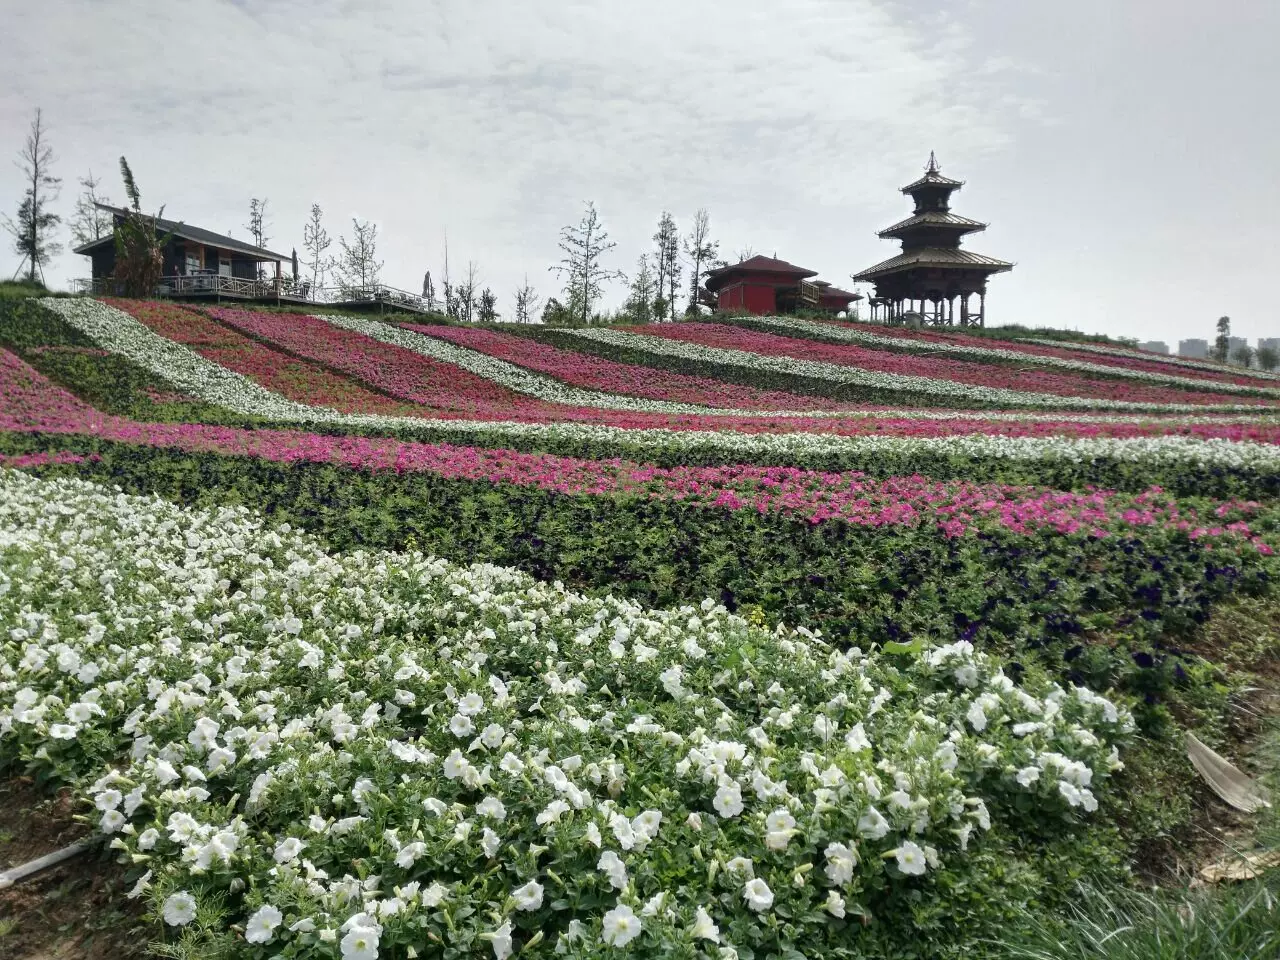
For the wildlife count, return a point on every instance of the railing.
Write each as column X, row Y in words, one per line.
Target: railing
column 216, row 285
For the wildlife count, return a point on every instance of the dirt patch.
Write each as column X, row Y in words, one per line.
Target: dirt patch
column 75, row 911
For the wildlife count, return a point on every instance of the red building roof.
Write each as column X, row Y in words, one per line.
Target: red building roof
column 719, row 277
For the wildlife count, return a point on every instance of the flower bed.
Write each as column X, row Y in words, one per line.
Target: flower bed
column 368, row 753
column 584, row 370
column 957, row 372
column 941, row 343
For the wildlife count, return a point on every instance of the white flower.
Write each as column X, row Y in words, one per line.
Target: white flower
column 757, row 894
column 704, row 927
column 728, row 800
column 528, row 897
column 361, row 942
column 63, row 731
column 741, row 866
column 621, row 926
column 147, row 838
column 262, row 925
column 461, row 725
column 1027, row 776
column 434, row 895
column 287, row 850
column 648, row 823
column 108, row 800
column 780, row 826
column 112, row 821
column 501, row 941
column 179, row 909
column 409, row 854
column 592, row 834
column 840, row 863
column 471, row 704
column 612, row 866
column 492, row 807
column 653, row 906
column 872, row 825
column 490, row 842
column 911, row 859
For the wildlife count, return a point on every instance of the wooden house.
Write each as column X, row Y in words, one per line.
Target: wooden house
column 767, row 285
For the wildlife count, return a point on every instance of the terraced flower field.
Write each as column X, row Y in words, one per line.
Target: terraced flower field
column 755, row 638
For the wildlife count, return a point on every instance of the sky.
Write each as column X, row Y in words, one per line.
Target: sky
column 1119, row 149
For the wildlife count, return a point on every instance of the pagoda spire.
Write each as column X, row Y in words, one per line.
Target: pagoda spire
column 933, row 164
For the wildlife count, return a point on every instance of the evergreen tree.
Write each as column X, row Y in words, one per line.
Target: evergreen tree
column 32, row 231
column 315, row 240
column 1268, row 358
column 639, row 305
column 526, row 302
column 583, row 246
column 1222, row 344
column 358, row 266
column 487, row 307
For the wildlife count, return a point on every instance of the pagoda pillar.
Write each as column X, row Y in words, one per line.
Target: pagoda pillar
column 982, row 308
column 964, row 309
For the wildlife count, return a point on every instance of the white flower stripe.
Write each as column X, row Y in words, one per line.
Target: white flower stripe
column 901, row 383
column 1153, row 357
column 827, row 331
column 120, row 333
column 204, row 677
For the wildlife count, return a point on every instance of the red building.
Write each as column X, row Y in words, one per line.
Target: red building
column 766, row 285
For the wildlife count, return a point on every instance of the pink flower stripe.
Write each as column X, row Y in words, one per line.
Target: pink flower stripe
column 1227, row 375
column 44, row 459
column 28, row 403
column 595, row 373
column 31, row 403
column 1032, row 380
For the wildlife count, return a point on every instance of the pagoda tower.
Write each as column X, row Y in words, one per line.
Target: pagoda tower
column 932, row 275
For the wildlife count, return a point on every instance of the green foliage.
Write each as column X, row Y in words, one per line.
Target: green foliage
column 1229, row 923
column 1049, row 600
column 139, row 247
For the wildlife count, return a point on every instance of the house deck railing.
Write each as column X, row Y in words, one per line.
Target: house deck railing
column 283, row 290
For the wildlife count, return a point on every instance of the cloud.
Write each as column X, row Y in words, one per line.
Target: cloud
column 495, row 120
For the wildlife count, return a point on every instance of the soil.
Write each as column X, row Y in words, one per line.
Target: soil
column 74, row 911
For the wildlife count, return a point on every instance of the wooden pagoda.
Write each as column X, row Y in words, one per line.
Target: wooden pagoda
column 932, row 274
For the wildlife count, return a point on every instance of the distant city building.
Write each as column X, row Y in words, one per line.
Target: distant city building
column 1234, row 343
column 1272, row 342
column 1195, row 349
column 1154, row 346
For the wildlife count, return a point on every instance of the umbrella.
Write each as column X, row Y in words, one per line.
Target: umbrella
column 295, row 264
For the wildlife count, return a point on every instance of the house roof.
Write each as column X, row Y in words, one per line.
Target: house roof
column 758, row 264
column 934, row 218
column 942, row 257
column 187, row 232
column 838, row 294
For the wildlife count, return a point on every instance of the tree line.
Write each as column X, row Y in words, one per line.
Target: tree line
column 666, row 282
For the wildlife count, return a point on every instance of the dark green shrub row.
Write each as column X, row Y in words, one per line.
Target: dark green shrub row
column 1050, row 597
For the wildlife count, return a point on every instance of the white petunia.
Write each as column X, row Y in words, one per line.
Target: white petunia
column 704, row 928
column 261, row 927
column 911, row 858
column 840, row 863
column 620, row 926
column 728, row 800
column 757, row 895
column 529, row 896
column 179, row 909
column 287, row 850
column 611, row 865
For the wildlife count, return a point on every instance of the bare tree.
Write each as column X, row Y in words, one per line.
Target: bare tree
column 666, row 267
column 526, row 302
column 583, row 246
column 32, row 232
column 315, row 240
column 257, row 226
column 358, row 266
column 88, row 223
column 701, row 250
column 466, row 293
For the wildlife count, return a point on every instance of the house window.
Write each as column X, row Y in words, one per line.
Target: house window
column 224, row 267
column 193, row 262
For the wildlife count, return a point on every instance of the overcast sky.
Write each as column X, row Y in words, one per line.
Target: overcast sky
column 1120, row 149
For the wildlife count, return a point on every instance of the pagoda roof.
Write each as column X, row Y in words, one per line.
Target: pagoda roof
column 758, row 264
column 934, row 218
column 932, row 178
column 940, row 257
